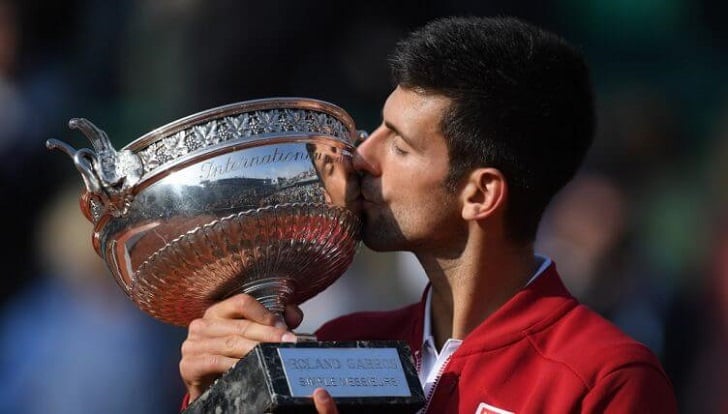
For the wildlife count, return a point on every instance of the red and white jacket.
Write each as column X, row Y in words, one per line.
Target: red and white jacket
column 541, row 352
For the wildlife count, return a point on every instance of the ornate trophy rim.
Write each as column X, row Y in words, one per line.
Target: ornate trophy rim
column 159, row 156
column 238, row 108
column 112, row 178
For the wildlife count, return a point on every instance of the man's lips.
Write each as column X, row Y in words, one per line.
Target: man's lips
column 368, row 195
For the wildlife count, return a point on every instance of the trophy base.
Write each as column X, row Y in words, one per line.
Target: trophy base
column 280, row 378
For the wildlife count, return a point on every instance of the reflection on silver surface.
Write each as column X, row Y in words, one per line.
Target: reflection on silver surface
column 257, row 197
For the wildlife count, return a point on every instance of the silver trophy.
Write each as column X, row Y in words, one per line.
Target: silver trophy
column 257, row 197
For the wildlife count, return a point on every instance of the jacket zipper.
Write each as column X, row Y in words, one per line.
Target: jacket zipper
column 428, row 397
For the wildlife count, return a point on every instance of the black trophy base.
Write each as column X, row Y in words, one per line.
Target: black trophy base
column 280, row 377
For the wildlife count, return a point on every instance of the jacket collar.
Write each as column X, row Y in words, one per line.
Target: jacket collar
column 535, row 306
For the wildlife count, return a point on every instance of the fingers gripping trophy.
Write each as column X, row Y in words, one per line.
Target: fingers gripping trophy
column 258, row 197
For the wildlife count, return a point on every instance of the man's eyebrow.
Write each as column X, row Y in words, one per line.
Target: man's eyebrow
column 394, row 129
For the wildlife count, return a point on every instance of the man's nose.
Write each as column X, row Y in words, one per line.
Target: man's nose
column 365, row 156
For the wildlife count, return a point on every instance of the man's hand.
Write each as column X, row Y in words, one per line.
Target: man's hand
column 226, row 332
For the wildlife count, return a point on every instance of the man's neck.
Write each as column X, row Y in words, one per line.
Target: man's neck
column 466, row 290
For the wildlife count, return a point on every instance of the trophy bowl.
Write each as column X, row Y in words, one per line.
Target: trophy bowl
column 257, row 197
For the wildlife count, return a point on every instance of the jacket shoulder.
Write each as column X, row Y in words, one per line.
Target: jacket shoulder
column 592, row 346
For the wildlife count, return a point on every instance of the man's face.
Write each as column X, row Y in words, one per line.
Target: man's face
column 404, row 164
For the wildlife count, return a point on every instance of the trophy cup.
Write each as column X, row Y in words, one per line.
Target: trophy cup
column 256, row 197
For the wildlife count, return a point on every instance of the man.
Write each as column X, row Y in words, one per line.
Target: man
column 489, row 119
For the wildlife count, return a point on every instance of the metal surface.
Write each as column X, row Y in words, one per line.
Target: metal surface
column 257, row 197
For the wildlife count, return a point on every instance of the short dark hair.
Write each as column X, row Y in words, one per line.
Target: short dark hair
column 522, row 102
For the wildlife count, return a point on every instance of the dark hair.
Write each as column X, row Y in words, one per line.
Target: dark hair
column 522, row 102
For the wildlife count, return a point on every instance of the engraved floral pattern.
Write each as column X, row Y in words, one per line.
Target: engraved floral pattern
column 247, row 125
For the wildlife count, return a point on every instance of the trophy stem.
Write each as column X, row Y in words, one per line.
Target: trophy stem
column 273, row 292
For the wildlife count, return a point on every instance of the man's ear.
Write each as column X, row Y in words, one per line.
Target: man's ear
column 484, row 193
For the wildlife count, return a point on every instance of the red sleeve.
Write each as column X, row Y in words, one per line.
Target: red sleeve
column 632, row 389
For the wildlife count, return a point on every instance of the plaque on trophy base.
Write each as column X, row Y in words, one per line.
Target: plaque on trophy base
column 361, row 376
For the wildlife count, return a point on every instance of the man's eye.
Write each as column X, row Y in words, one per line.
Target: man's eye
column 399, row 150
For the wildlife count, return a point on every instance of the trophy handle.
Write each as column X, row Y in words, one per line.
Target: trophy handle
column 108, row 175
column 361, row 136
column 83, row 159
